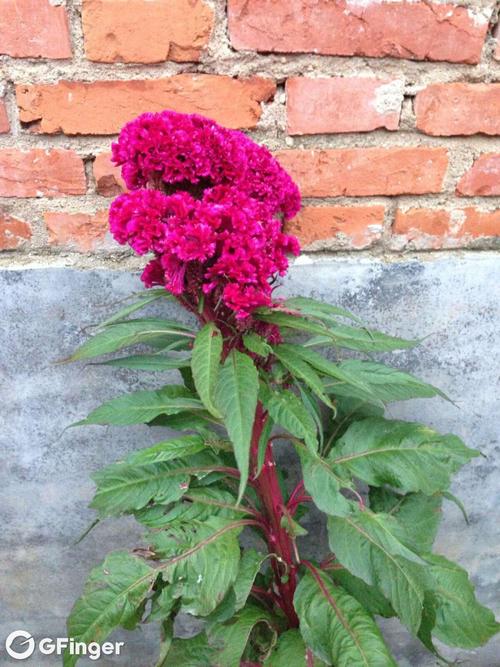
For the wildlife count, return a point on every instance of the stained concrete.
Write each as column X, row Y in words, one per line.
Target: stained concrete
column 44, row 479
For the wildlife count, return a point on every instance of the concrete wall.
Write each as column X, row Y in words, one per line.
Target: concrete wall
column 44, row 479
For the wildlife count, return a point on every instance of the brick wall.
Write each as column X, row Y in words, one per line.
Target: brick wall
column 386, row 112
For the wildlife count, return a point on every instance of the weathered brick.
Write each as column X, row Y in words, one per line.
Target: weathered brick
column 145, row 31
column 446, row 109
column 360, row 172
column 483, row 178
column 108, row 178
column 4, row 119
column 40, row 173
column 335, row 227
column 13, row 233
column 351, row 104
column 413, row 29
column 432, row 229
column 34, row 29
column 82, row 232
column 102, row 107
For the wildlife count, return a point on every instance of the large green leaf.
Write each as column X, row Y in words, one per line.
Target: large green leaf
column 132, row 332
column 145, row 298
column 328, row 368
column 202, row 561
column 168, row 450
column 336, row 626
column 125, row 487
column 112, row 597
column 148, row 362
column 319, row 309
column 360, row 339
column 256, row 344
column 323, row 483
column 290, row 651
column 385, row 383
column 406, row 455
column 191, row 652
column 203, row 503
column 369, row 545
column 142, row 407
column 368, row 596
column 230, row 640
column 460, row 620
column 288, row 411
column 205, row 362
column 236, row 398
column 250, row 564
column 417, row 513
column 301, row 370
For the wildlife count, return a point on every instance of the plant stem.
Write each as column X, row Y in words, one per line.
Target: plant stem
column 279, row 541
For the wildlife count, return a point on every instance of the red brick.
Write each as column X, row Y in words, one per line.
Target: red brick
column 357, row 104
column 337, row 226
column 446, row 109
column 102, row 107
column 40, row 173
column 145, row 31
column 108, row 178
column 4, row 119
column 77, row 231
column 361, row 172
column 483, row 178
column 417, row 30
column 431, row 229
column 13, row 232
column 34, row 29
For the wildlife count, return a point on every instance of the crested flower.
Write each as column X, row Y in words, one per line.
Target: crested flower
column 209, row 203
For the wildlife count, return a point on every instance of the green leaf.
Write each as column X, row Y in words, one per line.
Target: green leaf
column 336, row 626
column 368, row 596
column 360, row 339
column 323, row 483
column 168, row 450
column 406, row 455
column 207, row 351
column 288, row 411
column 148, row 362
column 230, row 640
column 124, row 487
column 112, row 597
column 250, row 564
column 290, row 651
column 142, row 407
column 387, row 384
column 460, row 619
column 257, row 344
column 417, row 513
column 301, row 371
column 192, row 652
column 319, row 309
column 202, row 561
column 369, row 545
column 132, row 332
column 236, row 398
column 289, row 321
column 330, row 369
column 145, row 299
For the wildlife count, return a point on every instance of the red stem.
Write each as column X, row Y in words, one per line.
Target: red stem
column 279, row 541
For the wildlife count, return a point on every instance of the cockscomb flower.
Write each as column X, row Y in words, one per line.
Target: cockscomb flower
column 209, row 203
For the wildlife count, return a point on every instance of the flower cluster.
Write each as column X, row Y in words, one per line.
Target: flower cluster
column 209, row 203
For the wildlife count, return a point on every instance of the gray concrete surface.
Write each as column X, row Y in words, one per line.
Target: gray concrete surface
column 44, row 477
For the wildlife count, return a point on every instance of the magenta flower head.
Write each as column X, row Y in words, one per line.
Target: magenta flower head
column 209, row 204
